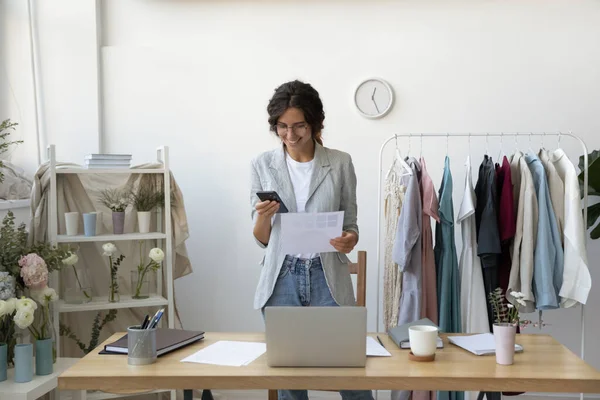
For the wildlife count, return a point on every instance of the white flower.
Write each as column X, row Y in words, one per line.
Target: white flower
column 510, row 305
column 71, row 260
column 521, row 302
column 109, row 249
column 12, row 305
column 23, row 318
column 514, row 294
column 4, row 308
column 44, row 296
column 157, row 255
column 520, row 295
column 26, row 304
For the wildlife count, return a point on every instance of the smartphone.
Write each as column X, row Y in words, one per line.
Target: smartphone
column 273, row 196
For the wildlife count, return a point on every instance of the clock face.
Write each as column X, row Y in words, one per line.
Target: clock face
column 374, row 98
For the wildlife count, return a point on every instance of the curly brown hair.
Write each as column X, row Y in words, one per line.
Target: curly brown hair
column 302, row 96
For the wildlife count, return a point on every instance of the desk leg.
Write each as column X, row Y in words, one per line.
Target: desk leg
column 188, row 394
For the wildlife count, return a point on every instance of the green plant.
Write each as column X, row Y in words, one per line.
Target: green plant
column 505, row 312
column 146, row 198
column 115, row 199
column 593, row 189
column 6, row 129
column 97, row 326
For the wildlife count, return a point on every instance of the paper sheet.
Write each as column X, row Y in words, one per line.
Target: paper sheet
column 374, row 349
column 310, row 232
column 481, row 344
column 233, row 354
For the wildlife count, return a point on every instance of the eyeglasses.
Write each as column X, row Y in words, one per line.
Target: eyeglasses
column 298, row 128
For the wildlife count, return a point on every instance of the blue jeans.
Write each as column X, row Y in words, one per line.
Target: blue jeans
column 302, row 283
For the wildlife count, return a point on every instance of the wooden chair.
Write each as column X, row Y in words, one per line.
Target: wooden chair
column 359, row 269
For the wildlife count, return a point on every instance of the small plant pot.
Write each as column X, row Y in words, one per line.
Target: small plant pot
column 504, row 336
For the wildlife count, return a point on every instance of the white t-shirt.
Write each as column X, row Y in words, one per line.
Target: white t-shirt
column 300, row 174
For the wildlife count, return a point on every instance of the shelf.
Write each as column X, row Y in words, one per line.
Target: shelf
column 108, row 396
column 101, row 303
column 110, row 171
column 12, row 204
column 111, row 237
column 38, row 386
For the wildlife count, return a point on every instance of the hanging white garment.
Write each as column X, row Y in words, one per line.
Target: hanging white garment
column 473, row 303
column 522, row 249
column 577, row 281
column 392, row 277
column 556, row 187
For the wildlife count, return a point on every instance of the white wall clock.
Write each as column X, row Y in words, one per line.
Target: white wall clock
column 374, row 98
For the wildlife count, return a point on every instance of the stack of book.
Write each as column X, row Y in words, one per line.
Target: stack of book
column 96, row 161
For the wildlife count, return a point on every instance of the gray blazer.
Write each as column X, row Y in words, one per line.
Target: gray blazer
column 332, row 188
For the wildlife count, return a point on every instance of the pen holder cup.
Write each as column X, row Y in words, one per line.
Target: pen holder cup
column 141, row 345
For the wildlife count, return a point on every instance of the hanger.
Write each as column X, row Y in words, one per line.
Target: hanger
column 399, row 159
column 499, row 160
column 530, row 148
column 469, row 154
column 447, row 141
column 407, row 169
column 487, row 143
column 558, row 140
column 421, row 149
column 516, row 142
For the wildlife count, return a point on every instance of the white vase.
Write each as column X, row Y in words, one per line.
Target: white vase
column 504, row 336
column 72, row 223
column 144, row 221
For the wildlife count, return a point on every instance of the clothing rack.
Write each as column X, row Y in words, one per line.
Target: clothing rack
column 485, row 135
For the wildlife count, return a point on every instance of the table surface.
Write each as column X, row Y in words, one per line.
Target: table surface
column 544, row 366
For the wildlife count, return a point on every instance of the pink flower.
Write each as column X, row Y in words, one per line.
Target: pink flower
column 34, row 271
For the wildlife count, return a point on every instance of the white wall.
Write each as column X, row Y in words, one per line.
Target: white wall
column 197, row 75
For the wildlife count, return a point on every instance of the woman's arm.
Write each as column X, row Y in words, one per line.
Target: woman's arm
column 345, row 243
column 262, row 211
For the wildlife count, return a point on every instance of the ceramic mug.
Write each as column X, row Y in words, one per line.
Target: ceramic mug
column 423, row 340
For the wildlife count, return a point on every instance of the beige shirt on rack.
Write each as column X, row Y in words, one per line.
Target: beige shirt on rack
column 521, row 272
column 557, row 189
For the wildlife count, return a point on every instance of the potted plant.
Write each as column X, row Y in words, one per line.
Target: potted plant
column 141, row 278
column 117, row 200
column 145, row 199
column 506, row 317
column 5, row 131
column 109, row 250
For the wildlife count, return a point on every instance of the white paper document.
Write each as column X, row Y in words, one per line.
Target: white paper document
column 482, row 344
column 374, row 349
column 233, row 354
column 310, row 232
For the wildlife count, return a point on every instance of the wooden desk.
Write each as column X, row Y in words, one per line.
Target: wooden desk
column 544, row 366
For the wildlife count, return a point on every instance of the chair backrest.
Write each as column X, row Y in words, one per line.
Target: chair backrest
column 360, row 269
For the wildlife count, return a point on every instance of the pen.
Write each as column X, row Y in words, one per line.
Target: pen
column 149, row 326
column 146, row 320
column 380, row 342
column 158, row 317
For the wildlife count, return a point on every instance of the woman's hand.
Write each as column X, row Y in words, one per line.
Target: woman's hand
column 345, row 243
column 266, row 209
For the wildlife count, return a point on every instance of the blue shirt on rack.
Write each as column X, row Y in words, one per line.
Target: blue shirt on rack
column 548, row 255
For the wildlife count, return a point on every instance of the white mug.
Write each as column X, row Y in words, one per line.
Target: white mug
column 72, row 223
column 423, row 340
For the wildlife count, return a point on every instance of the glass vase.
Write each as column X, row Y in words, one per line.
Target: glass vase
column 142, row 284
column 113, row 289
column 79, row 288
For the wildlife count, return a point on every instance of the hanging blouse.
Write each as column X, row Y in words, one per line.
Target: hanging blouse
column 407, row 249
column 525, row 199
column 473, row 301
column 506, row 221
column 429, row 307
column 392, row 277
column 446, row 263
column 548, row 256
column 577, row 281
column 556, row 188
column 488, row 236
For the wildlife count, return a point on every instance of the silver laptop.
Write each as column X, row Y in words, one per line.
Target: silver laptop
column 316, row 336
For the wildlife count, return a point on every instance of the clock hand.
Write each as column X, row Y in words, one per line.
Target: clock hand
column 373, row 95
column 377, row 108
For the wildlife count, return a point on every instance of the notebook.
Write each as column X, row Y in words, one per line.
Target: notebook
column 167, row 340
column 482, row 344
column 399, row 334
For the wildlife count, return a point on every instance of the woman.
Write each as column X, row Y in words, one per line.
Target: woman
column 308, row 178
